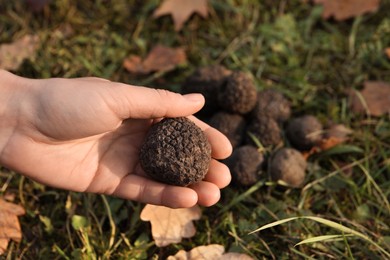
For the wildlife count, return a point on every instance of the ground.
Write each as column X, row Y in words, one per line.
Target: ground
column 285, row 45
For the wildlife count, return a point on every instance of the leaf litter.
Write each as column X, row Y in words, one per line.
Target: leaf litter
column 9, row 223
column 181, row 10
column 170, row 225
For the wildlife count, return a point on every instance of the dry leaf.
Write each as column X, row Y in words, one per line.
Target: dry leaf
column 374, row 99
column 387, row 51
column 160, row 58
column 13, row 54
column 215, row 252
column 170, row 225
column 334, row 135
column 181, row 10
column 9, row 223
column 37, row 5
column 344, row 9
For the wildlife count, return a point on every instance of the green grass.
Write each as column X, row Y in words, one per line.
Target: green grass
column 285, row 45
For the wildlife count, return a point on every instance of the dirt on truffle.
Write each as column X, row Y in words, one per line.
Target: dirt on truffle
column 207, row 81
column 304, row 132
column 273, row 104
column 176, row 151
column 266, row 130
column 245, row 165
column 289, row 166
column 238, row 94
column 231, row 125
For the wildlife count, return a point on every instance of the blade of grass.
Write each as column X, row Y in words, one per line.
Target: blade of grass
column 328, row 223
column 242, row 196
column 324, row 238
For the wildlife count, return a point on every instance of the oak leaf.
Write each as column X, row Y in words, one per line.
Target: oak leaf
column 159, row 59
column 214, row 251
column 9, row 223
column 345, row 9
column 13, row 54
column 170, row 225
column 374, row 99
column 181, row 10
column 334, row 135
column 387, row 51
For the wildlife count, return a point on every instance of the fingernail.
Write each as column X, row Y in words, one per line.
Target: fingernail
column 194, row 97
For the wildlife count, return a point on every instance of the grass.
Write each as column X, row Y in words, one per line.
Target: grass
column 286, row 45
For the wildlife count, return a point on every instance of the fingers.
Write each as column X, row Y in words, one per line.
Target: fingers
column 219, row 174
column 143, row 102
column 221, row 146
column 204, row 193
column 138, row 188
column 208, row 193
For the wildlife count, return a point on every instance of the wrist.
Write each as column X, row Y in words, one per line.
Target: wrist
column 10, row 103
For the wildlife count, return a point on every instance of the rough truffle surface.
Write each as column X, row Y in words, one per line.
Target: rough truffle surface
column 273, row 104
column 266, row 130
column 176, row 152
column 207, row 81
column 231, row 125
column 245, row 165
column 238, row 94
column 304, row 132
column 289, row 166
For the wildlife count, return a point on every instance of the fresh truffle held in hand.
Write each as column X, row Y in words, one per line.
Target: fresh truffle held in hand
column 176, row 152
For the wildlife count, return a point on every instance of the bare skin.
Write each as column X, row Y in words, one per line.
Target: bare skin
column 84, row 135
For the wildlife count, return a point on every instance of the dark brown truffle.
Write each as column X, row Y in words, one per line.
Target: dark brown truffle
column 265, row 129
column 176, row 152
column 231, row 125
column 245, row 165
column 207, row 81
column 288, row 165
column 238, row 94
column 304, row 132
column 273, row 104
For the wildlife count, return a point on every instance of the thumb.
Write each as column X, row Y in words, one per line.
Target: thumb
column 143, row 102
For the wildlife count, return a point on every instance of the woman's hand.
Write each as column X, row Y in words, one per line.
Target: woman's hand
column 84, row 135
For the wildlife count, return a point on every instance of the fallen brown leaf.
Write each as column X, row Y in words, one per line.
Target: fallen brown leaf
column 181, row 10
column 387, row 51
column 334, row 135
column 374, row 99
column 345, row 9
column 214, row 251
column 159, row 59
column 37, row 5
column 170, row 225
column 9, row 223
column 13, row 54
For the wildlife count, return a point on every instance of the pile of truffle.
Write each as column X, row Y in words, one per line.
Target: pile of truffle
column 253, row 120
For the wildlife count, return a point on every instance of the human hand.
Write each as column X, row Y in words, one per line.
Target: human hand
column 84, row 135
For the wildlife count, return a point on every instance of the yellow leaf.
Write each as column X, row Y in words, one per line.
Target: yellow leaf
column 214, row 251
column 170, row 225
column 12, row 55
column 181, row 10
column 9, row 223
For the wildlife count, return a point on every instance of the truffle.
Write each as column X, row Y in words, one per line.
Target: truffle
column 238, row 94
column 175, row 151
column 289, row 166
column 245, row 165
column 207, row 81
column 273, row 104
column 304, row 132
column 265, row 129
column 231, row 125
